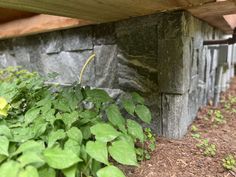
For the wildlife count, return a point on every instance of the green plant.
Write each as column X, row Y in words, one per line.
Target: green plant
column 210, row 113
column 149, row 146
column 196, row 135
column 208, row 149
column 49, row 130
column 194, row 128
column 150, row 139
column 229, row 162
column 227, row 106
column 232, row 100
column 233, row 110
column 219, row 118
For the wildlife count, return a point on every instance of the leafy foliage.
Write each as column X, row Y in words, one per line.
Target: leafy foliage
column 208, row 148
column 229, row 162
column 50, row 131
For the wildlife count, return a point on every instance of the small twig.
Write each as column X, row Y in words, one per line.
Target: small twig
column 232, row 173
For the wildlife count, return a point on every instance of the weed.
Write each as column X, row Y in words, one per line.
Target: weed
column 208, row 149
column 219, row 118
column 194, row 128
column 150, row 138
column 229, row 162
column 210, row 113
column 196, row 135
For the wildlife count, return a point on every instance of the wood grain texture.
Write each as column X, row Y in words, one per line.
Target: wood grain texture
column 219, row 8
column 38, row 24
column 9, row 14
column 231, row 19
column 213, row 13
column 99, row 10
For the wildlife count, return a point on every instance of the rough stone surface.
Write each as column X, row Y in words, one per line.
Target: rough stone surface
column 104, row 34
column 161, row 56
column 53, row 42
column 106, row 66
column 175, row 115
column 77, row 39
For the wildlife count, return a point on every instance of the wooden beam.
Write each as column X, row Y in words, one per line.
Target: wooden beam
column 231, row 19
column 213, row 14
column 9, row 14
column 99, row 10
column 38, row 24
column 220, row 23
column 219, row 8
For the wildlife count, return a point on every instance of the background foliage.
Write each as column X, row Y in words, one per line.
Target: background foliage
column 49, row 130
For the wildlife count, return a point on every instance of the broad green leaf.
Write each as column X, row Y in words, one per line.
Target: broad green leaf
column 98, row 151
column 45, row 101
column 137, row 98
column 29, row 171
column 143, row 113
column 114, row 115
column 10, row 169
column 62, row 105
column 32, row 158
column 3, row 112
column 31, row 115
column 98, row 95
column 32, row 146
column 95, row 167
column 46, row 172
column 123, row 152
column 3, row 103
column 127, row 138
column 104, row 132
column 55, row 136
column 60, row 159
column 88, row 114
column 70, row 118
column 110, row 171
column 4, row 130
column 75, row 134
column 49, row 115
column 2, row 158
column 129, row 106
column 4, row 145
column 86, row 132
column 70, row 172
column 47, row 108
column 22, row 134
column 38, row 129
column 71, row 97
column 135, row 130
column 72, row 145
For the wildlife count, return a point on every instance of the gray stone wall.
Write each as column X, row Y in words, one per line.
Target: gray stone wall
column 160, row 56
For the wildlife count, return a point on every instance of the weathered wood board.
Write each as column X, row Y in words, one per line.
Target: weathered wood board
column 99, row 10
column 38, row 24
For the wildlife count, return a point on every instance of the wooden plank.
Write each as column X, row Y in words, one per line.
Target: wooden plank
column 38, row 24
column 99, row 10
column 220, row 23
column 213, row 14
column 231, row 19
column 9, row 14
column 219, row 8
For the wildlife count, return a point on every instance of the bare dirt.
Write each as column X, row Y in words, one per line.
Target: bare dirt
column 182, row 158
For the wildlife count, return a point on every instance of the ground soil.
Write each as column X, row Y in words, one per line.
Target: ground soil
column 181, row 158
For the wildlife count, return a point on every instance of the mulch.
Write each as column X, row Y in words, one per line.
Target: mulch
column 182, row 158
